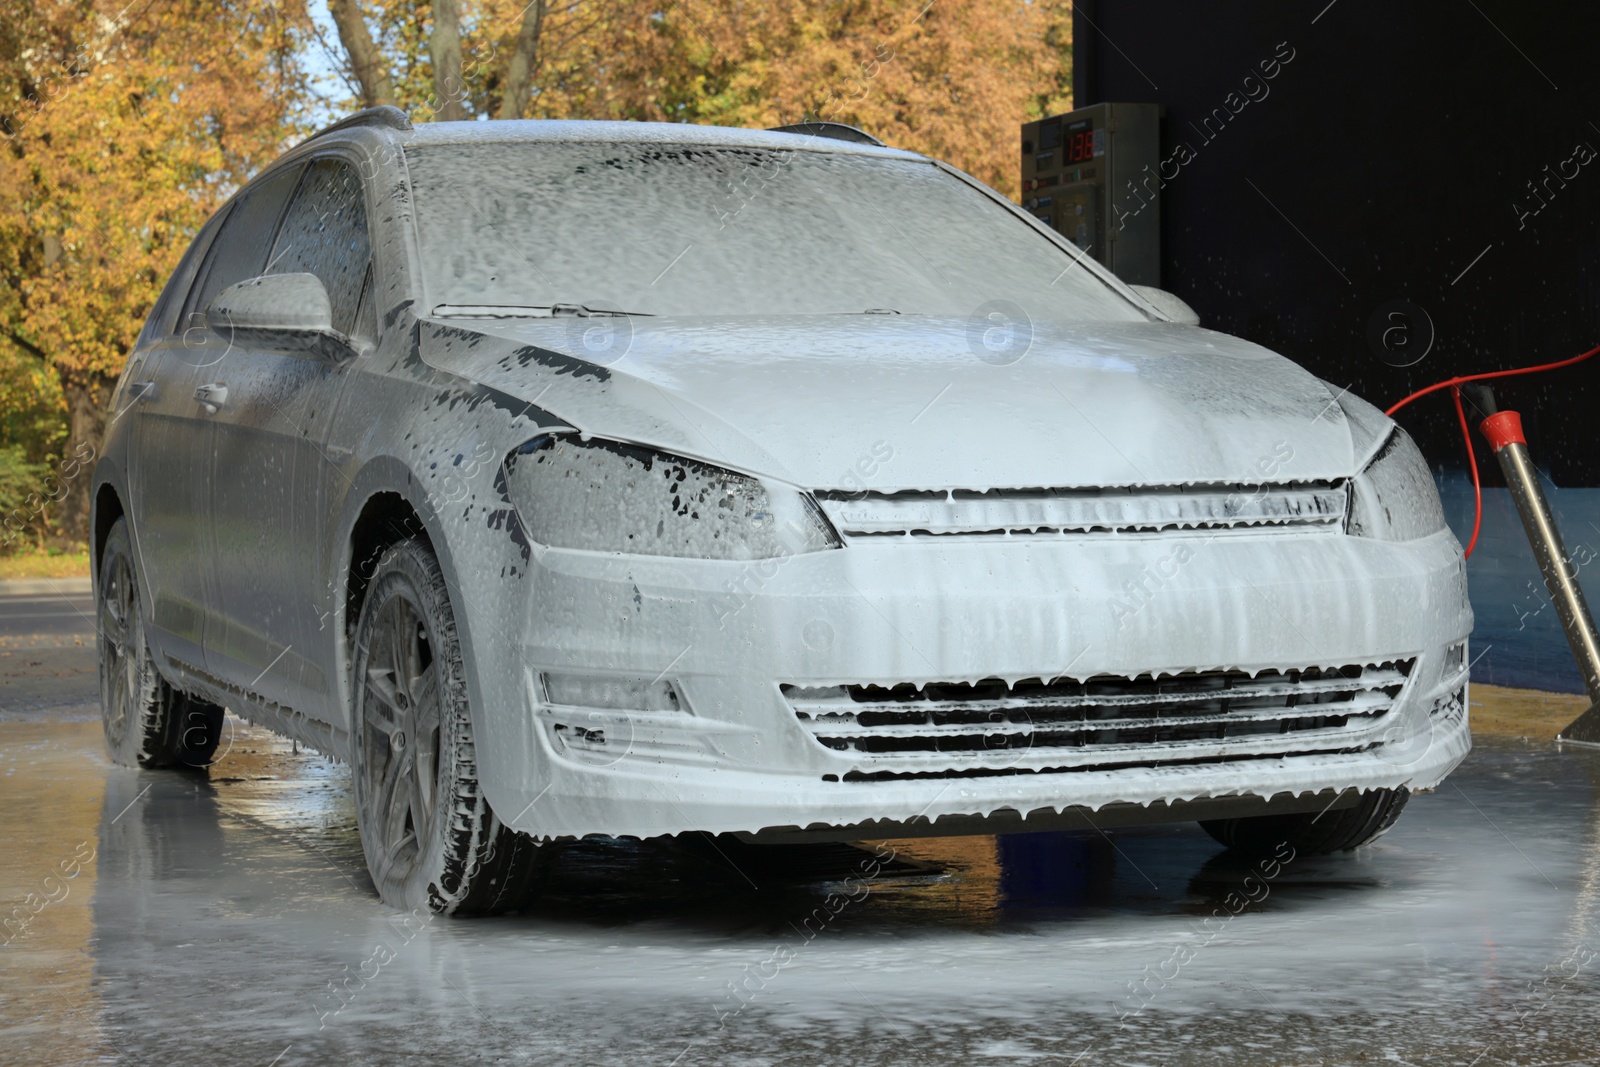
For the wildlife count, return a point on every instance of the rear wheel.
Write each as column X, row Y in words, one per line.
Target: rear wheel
column 147, row 722
column 1313, row 834
column 431, row 840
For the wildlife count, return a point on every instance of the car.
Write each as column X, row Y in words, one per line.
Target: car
column 613, row 479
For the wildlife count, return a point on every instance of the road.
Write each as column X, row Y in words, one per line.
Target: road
column 226, row 918
column 47, row 661
column 46, row 614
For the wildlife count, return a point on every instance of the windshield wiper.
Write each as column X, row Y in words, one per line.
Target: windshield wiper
column 544, row 311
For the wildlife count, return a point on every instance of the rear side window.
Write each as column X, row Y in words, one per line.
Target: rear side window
column 325, row 233
column 240, row 250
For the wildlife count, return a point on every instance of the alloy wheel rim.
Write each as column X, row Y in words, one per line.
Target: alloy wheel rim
column 116, row 615
column 401, row 719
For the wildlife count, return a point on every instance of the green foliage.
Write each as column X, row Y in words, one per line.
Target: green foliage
column 32, row 428
column 32, row 412
column 22, row 486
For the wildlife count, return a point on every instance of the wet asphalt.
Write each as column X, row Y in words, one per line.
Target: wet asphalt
column 226, row 918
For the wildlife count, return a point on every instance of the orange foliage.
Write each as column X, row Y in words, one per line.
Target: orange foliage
column 951, row 78
column 123, row 138
column 122, row 128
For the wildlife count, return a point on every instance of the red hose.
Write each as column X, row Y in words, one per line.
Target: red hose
column 1490, row 374
column 1472, row 458
column 1455, row 385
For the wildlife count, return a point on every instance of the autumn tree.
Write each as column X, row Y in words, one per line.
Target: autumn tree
column 952, row 78
column 124, row 127
column 442, row 60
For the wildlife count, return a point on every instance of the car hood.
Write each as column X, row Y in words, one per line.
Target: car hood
column 890, row 402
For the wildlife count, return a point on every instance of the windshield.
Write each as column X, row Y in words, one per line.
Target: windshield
column 656, row 229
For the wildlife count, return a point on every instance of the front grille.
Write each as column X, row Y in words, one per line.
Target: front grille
column 966, row 729
column 1055, row 512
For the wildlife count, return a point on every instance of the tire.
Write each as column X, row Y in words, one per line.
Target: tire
column 147, row 722
column 429, row 835
column 1314, row 834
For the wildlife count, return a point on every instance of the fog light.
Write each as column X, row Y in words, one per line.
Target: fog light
column 622, row 694
column 1450, row 707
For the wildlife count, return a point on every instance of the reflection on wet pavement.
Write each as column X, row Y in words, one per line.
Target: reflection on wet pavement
column 228, row 919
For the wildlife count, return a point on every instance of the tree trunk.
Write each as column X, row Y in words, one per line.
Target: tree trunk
column 524, row 58
column 371, row 71
column 86, row 427
column 444, row 46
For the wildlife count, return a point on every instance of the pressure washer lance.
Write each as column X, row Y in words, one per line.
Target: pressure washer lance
column 1504, row 431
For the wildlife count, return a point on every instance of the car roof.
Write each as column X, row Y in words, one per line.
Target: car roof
column 514, row 131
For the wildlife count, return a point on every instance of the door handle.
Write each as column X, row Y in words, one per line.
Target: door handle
column 212, row 396
column 141, row 391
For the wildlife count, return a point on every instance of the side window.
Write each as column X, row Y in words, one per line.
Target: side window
column 325, row 233
column 163, row 318
column 240, row 250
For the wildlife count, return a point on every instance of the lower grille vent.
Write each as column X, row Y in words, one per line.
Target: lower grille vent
column 957, row 729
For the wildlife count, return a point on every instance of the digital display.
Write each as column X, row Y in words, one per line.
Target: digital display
column 1079, row 141
column 1049, row 136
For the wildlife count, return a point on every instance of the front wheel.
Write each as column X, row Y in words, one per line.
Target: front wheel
column 147, row 722
column 429, row 835
column 1312, row 834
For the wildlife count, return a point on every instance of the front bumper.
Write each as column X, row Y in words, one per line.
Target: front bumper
column 736, row 757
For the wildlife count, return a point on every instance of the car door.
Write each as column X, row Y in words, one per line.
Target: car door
column 170, row 467
column 269, row 462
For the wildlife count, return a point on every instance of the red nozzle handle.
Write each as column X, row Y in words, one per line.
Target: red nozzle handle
column 1503, row 428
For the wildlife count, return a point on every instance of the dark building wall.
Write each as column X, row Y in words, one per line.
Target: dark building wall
column 1393, row 148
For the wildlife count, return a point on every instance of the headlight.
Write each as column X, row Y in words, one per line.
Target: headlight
column 611, row 497
column 1395, row 499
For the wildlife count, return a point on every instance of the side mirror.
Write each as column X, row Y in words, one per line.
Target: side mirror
column 287, row 312
column 1168, row 304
